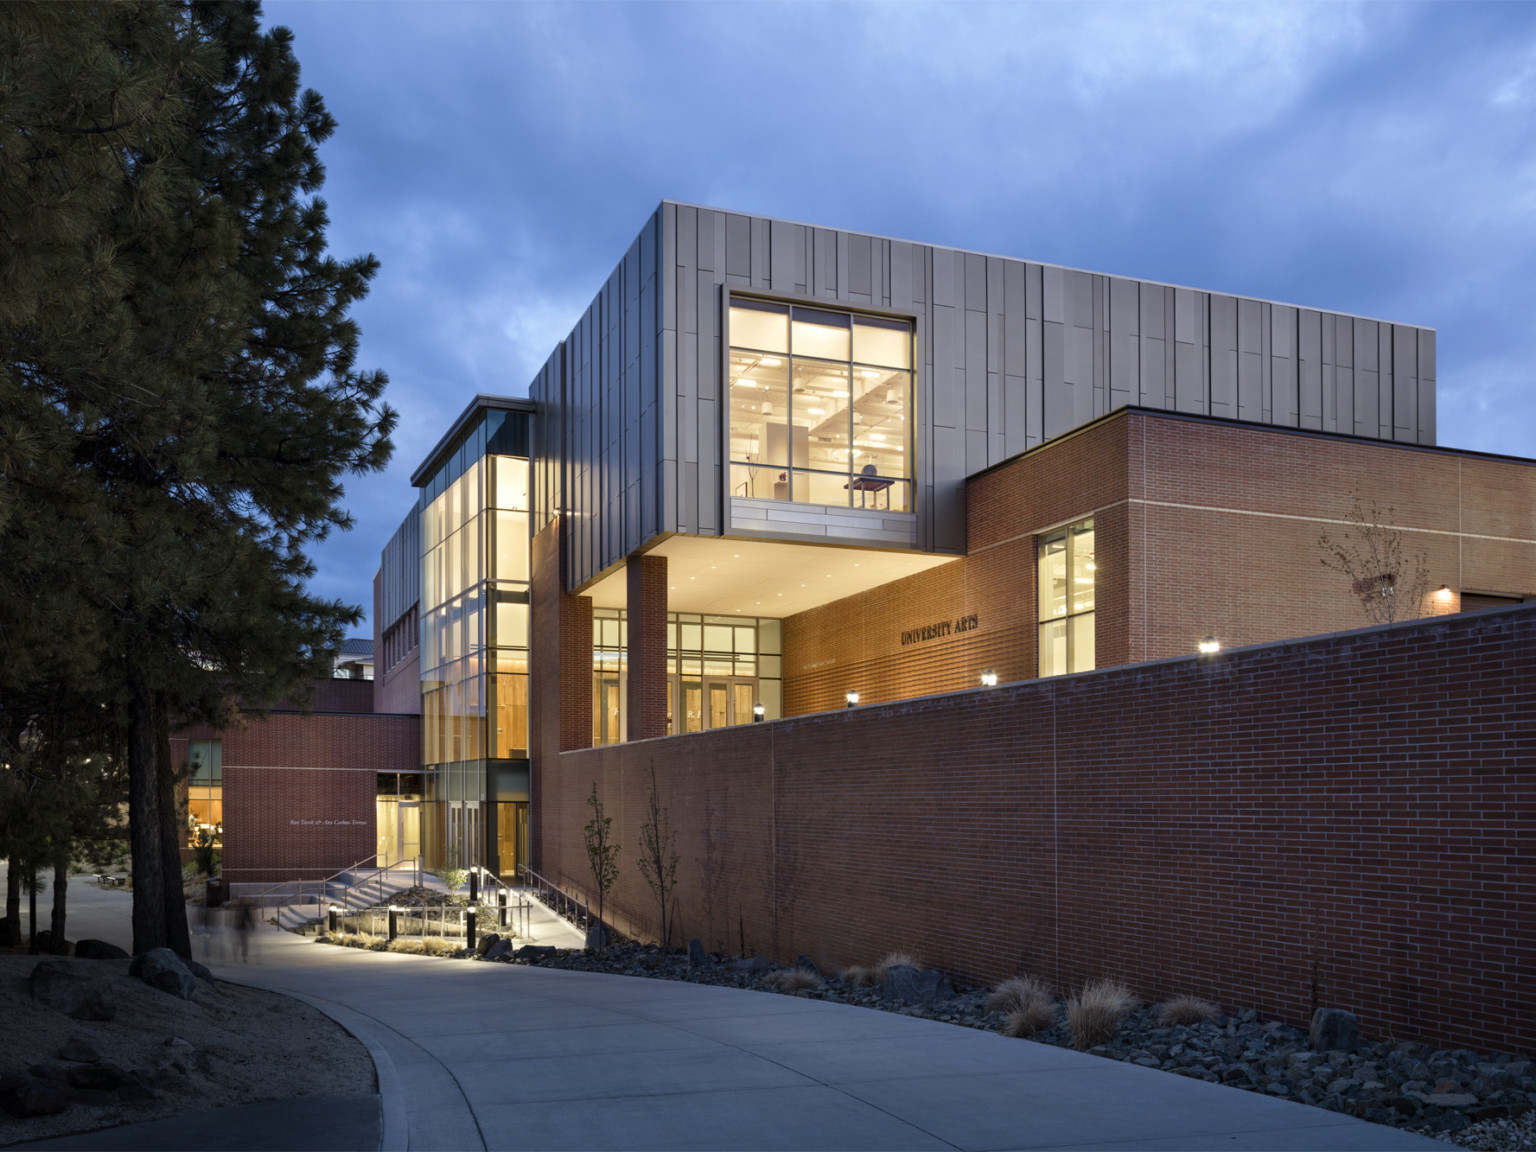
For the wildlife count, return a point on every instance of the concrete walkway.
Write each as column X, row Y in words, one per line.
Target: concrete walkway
column 493, row 1056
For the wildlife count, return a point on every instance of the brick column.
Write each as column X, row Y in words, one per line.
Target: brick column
column 647, row 657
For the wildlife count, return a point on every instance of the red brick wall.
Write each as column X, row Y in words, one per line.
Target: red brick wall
column 646, row 585
column 299, row 790
column 1341, row 820
column 1202, row 528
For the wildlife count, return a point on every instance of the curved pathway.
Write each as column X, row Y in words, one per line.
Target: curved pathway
column 500, row 1056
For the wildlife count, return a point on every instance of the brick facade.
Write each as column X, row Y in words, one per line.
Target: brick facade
column 299, row 790
column 1329, row 821
column 646, row 578
column 1203, row 527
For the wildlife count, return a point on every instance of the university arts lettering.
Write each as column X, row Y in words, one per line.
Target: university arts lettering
column 942, row 628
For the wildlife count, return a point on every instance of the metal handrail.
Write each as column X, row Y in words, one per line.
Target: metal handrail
column 322, row 888
column 572, row 907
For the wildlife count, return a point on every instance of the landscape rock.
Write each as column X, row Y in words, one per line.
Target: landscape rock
column 751, row 964
column 500, row 950
column 99, row 950
column 805, row 962
column 99, row 1077
column 597, row 937
column 487, row 942
column 536, row 952
column 906, row 985
column 34, row 1097
column 199, row 970
column 66, row 988
column 695, row 954
column 1334, row 1029
column 163, row 969
column 49, row 1071
column 78, row 1050
column 45, row 944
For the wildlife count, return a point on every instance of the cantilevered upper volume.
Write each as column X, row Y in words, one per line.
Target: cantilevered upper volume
column 755, row 378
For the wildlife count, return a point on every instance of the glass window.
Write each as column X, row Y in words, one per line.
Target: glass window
column 758, row 324
column 511, row 483
column 1066, row 573
column 512, row 546
column 829, row 423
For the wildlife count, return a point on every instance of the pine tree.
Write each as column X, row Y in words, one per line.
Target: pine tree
column 182, row 367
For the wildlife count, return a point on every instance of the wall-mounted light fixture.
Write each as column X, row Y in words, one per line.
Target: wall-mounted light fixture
column 852, row 697
column 1445, row 594
column 758, row 712
column 1209, row 645
column 989, row 679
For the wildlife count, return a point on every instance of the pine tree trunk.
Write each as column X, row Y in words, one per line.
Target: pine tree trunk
column 144, row 827
column 11, row 936
column 57, row 944
column 177, row 936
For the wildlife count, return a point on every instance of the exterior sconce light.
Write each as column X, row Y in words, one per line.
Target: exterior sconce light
column 758, row 712
column 852, row 698
column 1210, row 646
column 989, row 679
column 1444, row 594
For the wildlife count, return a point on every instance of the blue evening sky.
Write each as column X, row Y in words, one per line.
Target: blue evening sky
column 498, row 158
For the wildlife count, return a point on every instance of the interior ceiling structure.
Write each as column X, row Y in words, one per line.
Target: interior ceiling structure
column 721, row 576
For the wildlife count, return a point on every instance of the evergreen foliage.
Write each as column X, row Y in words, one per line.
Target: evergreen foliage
column 179, row 399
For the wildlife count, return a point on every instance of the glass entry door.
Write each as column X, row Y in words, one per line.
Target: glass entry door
column 713, row 702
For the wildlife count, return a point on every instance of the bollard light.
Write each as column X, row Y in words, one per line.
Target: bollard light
column 989, row 679
column 758, row 712
column 1209, row 646
column 852, row 698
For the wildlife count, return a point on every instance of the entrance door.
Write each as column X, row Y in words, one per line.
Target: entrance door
column 408, row 836
column 719, row 704
column 715, row 702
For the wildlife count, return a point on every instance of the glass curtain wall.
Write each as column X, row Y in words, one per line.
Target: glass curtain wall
column 820, row 406
column 474, row 634
column 718, row 669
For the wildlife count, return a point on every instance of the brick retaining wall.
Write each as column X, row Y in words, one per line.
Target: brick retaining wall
column 1340, row 820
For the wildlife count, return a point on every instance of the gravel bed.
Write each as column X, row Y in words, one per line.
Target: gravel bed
column 1475, row 1100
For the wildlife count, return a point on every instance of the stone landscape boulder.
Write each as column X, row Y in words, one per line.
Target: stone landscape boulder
column 78, row 1050
column 487, row 942
column 535, row 952
column 500, row 950
column 24, row 1096
column 99, row 950
column 45, row 944
column 199, row 970
column 163, row 969
column 907, row 985
column 1334, row 1030
column 67, row 987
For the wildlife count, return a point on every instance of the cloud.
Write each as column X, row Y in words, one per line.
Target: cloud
column 499, row 159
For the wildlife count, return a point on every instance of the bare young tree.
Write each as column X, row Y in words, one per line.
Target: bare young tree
column 602, row 855
column 1390, row 583
column 658, row 861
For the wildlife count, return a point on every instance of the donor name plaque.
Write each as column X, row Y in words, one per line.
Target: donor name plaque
column 942, row 628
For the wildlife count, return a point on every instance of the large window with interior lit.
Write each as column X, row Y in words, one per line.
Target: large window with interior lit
column 1066, row 572
column 205, row 793
column 820, row 406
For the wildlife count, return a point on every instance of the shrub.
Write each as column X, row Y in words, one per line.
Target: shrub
column 892, row 960
column 410, row 947
column 361, row 940
column 859, row 976
column 1094, row 1013
column 437, row 946
column 1034, row 1017
column 1185, row 1010
column 1017, row 994
column 791, row 980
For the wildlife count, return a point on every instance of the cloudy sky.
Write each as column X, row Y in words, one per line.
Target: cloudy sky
column 498, row 158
